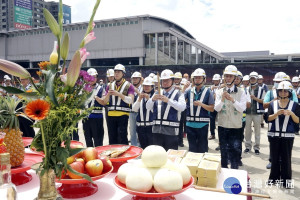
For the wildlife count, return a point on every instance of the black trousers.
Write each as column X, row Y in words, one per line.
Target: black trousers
column 75, row 134
column 117, row 129
column 145, row 135
column 241, row 136
column 181, row 127
column 197, row 138
column 229, row 139
column 93, row 132
column 166, row 141
column 212, row 127
column 281, row 153
column 26, row 127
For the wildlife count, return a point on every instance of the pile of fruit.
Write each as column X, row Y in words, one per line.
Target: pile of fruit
column 154, row 170
column 89, row 162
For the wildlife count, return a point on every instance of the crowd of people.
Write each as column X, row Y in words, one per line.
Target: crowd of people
column 161, row 109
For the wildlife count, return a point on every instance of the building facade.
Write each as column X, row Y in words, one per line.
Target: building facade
column 25, row 14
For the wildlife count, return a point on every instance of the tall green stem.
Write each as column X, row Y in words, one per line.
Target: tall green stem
column 44, row 145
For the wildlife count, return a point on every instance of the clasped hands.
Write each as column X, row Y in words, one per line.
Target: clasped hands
column 160, row 97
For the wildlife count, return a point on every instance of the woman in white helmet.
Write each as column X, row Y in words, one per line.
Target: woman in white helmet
column 144, row 118
column 120, row 96
column 166, row 111
column 230, row 104
column 246, row 81
column 199, row 103
column 271, row 96
column 177, row 80
column 283, row 116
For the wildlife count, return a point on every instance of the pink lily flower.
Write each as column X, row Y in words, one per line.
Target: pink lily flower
column 89, row 37
column 83, row 54
column 74, row 69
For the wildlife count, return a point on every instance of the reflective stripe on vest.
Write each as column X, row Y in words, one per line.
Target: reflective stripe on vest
column 286, row 135
column 114, row 105
column 196, row 116
column 259, row 95
column 274, row 94
column 144, row 122
column 286, row 118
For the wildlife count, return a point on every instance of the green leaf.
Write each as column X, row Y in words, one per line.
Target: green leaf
column 62, row 154
column 65, row 47
column 85, row 176
column 13, row 90
column 75, row 151
column 50, row 76
column 52, row 23
column 60, row 17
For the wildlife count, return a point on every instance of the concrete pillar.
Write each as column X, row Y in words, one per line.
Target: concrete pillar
column 169, row 45
column 232, row 60
column 176, row 51
column 30, row 65
column 156, row 49
column 203, row 56
column 163, row 50
column 88, row 62
column 141, row 61
column 289, row 58
column 197, row 56
column 183, row 52
column 190, row 54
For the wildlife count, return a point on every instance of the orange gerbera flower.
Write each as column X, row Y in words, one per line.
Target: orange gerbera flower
column 43, row 65
column 39, row 73
column 37, row 109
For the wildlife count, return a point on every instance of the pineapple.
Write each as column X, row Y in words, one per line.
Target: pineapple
column 9, row 124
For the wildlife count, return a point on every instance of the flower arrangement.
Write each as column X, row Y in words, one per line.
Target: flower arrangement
column 58, row 101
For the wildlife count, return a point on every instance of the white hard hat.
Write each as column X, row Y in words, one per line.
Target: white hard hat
column 166, row 74
column 151, row 75
column 154, row 79
column 192, row 75
column 120, row 67
column 110, row 73
column 216, row 77
column 6, row 77
column 253, row 74
column 295, row 79
column 92, row 71
column 279, row 76
column 285, row 85
column 178, row 75
column 239, row 74
column 183, row 81
column 148, row 81
column 199, row 72
column 136, row 75
column 260, row 77
column 286, row 78
column 246, row 78
column 231, row 70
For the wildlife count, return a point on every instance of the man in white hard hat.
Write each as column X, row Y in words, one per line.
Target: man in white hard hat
column 144, row 119
column 136, row 81
column 110, row 75
column 230, row 104
column 120, row 96
column 216, row 84
column 260, row 82
column 272, row 96
column 166, row 111
column 246, row 81
column 6, row 82
column 177, row 80
column 199, row 103
column 253, row 114
column 93, row 125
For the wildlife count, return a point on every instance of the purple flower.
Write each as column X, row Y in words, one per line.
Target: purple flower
column 88, row 88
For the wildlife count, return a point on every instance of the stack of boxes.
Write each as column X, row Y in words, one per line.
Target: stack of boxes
column 205, row 168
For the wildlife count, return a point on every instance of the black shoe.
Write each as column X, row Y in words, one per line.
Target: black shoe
column 212, row 137
column 269, row 165
column 257, row 152
column 181, row 145
column 218, row 148
column 246, row 150
column 240, row 163
column 262, row 125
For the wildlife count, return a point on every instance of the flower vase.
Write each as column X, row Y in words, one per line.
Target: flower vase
column 47, row 186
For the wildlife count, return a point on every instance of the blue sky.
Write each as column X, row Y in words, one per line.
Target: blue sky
column 224, row 25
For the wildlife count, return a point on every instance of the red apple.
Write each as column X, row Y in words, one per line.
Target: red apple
column 77, row 166
column 94, row 167
column 80, row 160
column 90, row 154
column 63, row 174
column 106, row 163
